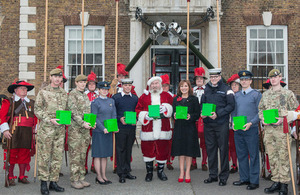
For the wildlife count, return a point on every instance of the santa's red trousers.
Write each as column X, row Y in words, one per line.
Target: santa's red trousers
column 158, row 149
column 200, row 128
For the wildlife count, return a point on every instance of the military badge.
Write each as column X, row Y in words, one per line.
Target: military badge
column 110, row 105
column 244, row 74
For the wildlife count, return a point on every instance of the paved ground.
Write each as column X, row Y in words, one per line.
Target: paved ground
column 139, row 186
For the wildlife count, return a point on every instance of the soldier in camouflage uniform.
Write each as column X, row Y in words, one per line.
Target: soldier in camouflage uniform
column 50, row 134
column 275, row 140
column 79, row 132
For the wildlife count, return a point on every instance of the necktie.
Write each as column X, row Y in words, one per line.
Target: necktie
column 244, row 92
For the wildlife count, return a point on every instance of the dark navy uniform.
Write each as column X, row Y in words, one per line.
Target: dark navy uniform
column 216, row 132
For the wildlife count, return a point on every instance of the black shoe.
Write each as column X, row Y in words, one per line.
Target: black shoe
column 129, row 176
column 61, row 174
column 283, row 189
column 240, row 183
column 100, row 182
column 222, row 182
column 252, row 186
column 160, row 172
column 107, row 181
column 234, row 169
column 210, row 180
column 149, row 167
column 122, row 180
column 44, row 188
column 53, row 186
column 275, row 187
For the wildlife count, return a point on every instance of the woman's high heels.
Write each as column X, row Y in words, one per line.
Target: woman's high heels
column 180, row 180
column 100, row 182
column 187, row 180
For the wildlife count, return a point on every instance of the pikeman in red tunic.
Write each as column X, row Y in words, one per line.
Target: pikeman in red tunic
column 24, row 122
column 166, row 88
column 198, row 90
column 234, row 83
column 92, row 93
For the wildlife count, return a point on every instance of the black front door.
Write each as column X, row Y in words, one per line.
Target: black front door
column 173, row 63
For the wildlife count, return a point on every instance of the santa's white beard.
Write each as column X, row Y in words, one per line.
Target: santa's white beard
column 156, row 91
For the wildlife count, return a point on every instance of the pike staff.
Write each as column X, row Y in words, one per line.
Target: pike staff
column 115, row 76
column 188, row 40
column 82, row 35
column 218, row 35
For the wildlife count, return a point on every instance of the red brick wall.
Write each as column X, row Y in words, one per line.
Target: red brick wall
column 238, row 14
column 60, row 13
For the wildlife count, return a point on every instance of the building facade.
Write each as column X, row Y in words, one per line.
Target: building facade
column 246, row 42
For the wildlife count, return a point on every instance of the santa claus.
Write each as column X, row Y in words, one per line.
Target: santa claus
column 155, row 133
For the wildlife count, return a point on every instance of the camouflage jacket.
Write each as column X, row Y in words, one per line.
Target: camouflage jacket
column 48, row 101
column 284, row 100
column 79, row 104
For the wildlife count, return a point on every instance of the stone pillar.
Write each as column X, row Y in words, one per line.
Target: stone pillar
column 137, row 73
column 212, row 43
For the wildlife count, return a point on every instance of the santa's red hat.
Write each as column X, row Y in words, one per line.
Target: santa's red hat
column 64, row 77
column 165, row 79
column 267, row 84
column 92, row 77
column 199, row 72
column 121, row 69
column 234, row 78
column 16, row 84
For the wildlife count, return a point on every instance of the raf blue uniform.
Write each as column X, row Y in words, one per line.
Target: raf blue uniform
column 247, row 142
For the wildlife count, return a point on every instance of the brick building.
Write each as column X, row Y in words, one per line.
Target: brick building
column 246, row 43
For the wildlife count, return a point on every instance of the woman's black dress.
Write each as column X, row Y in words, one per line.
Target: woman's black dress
column 185, row 135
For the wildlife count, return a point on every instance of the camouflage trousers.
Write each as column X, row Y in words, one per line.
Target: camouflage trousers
column 78, row 141
column 276, row 147
column 50, row 147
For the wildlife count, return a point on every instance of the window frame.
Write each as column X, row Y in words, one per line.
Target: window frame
column 285, row 49
column 66, row 50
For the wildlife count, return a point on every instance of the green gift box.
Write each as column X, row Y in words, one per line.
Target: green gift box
column 153, row 111
column 270, row 116
column 130, row 117
column 239, row 122
column 181, row 112
column 111, row 125
column 64, row 117
column 90, row 118
column 207, row 109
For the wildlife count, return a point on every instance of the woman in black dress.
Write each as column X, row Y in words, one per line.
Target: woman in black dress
column 185, row 142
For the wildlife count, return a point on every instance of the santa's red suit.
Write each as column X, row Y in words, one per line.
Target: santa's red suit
column 21, row 142
column 155, row 134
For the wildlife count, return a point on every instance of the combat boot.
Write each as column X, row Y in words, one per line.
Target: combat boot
column 275, row 187
column 44, row 188
column 77, row 185
column 149, row 167
column 160, row 172
column 283, row 189
column 85, row 183
column 53, row 186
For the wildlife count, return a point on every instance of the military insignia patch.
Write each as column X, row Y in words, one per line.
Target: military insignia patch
column 244, row 74
column 105, row 85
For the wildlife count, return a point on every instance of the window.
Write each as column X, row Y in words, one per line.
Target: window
column 93, row 54
column 266, row 49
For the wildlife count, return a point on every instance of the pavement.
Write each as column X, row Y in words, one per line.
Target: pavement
column 139, row 186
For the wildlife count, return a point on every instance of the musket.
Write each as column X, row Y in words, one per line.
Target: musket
column 8, row 144
column 262, row 151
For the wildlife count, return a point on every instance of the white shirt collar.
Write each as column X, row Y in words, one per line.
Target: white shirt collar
column 102, row 97
column 122, row 94
column 17, row 98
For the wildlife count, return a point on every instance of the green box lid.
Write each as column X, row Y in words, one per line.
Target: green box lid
column 130, row 117
column 181, row 112
column 270, row 116
column 239, row 122
column 90, row 118
column 207, row 109
column 111, row 125
column 64, row 117
column 153, row 111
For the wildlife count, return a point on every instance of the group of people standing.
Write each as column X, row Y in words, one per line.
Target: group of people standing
column 161, row 137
